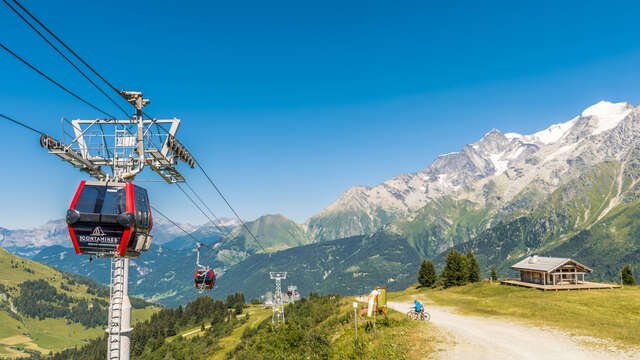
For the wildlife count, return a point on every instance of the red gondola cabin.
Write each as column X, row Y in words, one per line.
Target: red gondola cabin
column 205, row 279
column 110, row 219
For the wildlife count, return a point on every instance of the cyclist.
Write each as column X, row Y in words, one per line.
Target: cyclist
column 418, row 306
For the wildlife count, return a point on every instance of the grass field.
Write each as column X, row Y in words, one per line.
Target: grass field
column 608, row 314
column 396, row 338
column 226, row 344
column 48, row 334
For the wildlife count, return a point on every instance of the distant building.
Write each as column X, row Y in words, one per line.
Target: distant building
column 552, row 273
column 544, row 270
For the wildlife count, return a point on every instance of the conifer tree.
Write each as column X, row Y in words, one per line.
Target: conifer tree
column 474, row 268
column 627, row 275
column 427, row 274
column 455, row 271
column 494, row 274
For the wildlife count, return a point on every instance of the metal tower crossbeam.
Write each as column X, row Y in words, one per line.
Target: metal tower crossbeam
column 118, row 144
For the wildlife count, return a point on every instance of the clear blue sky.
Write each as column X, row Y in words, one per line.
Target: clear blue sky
column 289, row 104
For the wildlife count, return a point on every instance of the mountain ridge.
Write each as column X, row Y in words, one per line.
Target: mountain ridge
column 509, row 162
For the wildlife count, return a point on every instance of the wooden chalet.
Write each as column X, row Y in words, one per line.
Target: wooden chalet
column 552, row 273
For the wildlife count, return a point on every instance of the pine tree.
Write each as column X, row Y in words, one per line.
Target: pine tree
column 455, row 272
column 627, row 275
column 494, row 274
column 427, row 274
column 474, row 268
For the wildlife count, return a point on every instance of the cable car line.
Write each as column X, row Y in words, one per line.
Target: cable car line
column 242, row 222
column 154, row 121
column 54, row 82
column 202, row 211
column 21, row 124
column 244, row 225
column 155, row 210
column 206, row 206
column 117, row 91
column 68, row 48
column 65, row 57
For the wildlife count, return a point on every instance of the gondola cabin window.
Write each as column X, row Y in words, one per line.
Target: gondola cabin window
column 102, row 200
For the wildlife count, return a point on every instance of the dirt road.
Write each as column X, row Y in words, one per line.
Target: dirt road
column 480, row 338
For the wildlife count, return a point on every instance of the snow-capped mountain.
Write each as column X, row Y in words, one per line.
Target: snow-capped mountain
column 497, row 163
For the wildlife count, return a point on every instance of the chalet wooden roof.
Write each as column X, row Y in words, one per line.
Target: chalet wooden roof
column 545, row 264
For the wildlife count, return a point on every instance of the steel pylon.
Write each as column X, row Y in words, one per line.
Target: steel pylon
column 278, row 305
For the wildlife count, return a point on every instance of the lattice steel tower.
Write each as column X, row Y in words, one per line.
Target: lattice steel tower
column 278, row 306
column 126, row 146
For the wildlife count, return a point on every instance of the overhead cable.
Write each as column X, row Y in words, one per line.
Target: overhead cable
column 54, row 82
column 202, row 211
column 65, row 57
column 21, row 124
column 68, row 48
column 244, row 225
column 205, row 205
column 117, row 91
column 188, row 233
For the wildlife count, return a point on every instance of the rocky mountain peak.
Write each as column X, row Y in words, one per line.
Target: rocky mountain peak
column 510, row 161
column 605, row 115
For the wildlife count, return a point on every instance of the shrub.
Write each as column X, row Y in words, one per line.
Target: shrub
column 494, row 274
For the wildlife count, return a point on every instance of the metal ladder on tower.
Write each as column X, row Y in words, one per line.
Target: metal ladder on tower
column 115, row 309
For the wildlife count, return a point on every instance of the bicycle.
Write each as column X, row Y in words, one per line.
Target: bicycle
column 422, row 315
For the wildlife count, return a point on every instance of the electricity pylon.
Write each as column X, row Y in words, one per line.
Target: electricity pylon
column 278, row 306
column 126, row 146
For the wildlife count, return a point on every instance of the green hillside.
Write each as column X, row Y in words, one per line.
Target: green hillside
column 344, row 223
column 42, row 309
column 592, row 218
column 317, row 327
column 441, row 224
column 345, row 266
column 274, row 232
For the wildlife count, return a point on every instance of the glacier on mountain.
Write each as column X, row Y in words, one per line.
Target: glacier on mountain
column 507, row 163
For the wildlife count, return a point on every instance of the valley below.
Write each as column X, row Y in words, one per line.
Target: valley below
column 571, row 190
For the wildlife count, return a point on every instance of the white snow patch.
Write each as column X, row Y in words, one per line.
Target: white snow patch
column 513, row 136
column 560, row 151
column 516, row 153
column 553, row 133
column 498, row 164
column 608, row 114
column 451, row 153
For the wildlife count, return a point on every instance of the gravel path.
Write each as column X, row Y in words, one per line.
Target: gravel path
column 480, row 338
